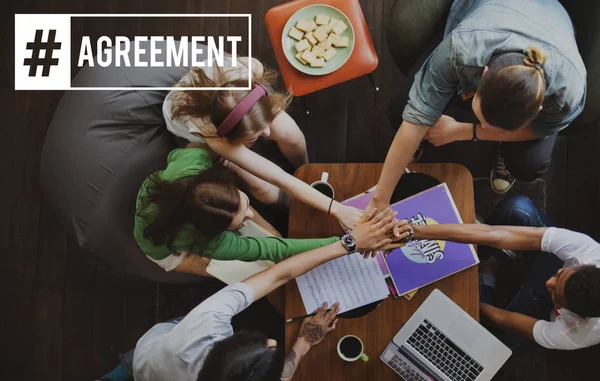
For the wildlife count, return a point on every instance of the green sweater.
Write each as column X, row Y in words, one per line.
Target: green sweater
column 228, row 245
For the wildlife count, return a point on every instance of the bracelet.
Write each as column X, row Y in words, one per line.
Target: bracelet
column 329, row 210
column 411, row 233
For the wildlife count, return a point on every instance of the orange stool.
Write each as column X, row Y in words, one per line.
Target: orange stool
column 362, row 61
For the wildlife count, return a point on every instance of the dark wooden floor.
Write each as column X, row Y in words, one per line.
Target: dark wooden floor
column 66, row 316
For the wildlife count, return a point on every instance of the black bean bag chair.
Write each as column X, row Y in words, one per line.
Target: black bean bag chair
column 99, row 148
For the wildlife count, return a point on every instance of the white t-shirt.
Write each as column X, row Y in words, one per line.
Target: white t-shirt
column 185, row 126
column 170, row 351
column 569, row 330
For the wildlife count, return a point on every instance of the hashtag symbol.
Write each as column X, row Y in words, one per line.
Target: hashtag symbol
column 36, row 46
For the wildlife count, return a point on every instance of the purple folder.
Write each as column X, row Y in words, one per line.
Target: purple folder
column 420, row 263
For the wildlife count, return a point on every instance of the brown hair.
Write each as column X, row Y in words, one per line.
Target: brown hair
column 209, row 201
column 510, row 96
column 214, row 106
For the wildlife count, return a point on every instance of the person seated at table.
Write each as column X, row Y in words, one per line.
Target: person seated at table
column 191, row 212
column 228, row 123
column 202, row 345
column 558, row 305
column 515, row 66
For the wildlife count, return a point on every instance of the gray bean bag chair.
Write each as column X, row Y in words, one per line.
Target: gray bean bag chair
column 99, row 148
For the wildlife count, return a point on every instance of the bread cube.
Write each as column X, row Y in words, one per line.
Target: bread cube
column 329, row 54
column 318, row 51
column 319, row 62
column 296, row 34
column 334, row 37
column 302, row 45
column 322, row 19
column 299, row 57
column 306, row 25
column 342, row 42
column 325, row 44
column 308, row 56
column 331, row 24
column 339, row 28
column 321, row 33
column 311, row 38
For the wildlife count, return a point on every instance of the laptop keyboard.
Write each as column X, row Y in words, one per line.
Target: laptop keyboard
column 402, row 367
column 449, row 359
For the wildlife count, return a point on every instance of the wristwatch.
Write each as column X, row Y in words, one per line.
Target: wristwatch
column 349, row 243
column 475, row 131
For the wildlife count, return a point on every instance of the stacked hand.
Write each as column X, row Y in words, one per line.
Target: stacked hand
column 380, row 231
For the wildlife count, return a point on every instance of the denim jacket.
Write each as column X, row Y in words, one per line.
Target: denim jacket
column 478, row 29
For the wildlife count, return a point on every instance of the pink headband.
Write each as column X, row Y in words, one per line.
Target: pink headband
column 238, row 112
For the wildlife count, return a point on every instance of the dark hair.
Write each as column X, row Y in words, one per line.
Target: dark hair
column 214, row 106
column 582, row 292
column 511, row 95
column 208, row 201
column 243, row 356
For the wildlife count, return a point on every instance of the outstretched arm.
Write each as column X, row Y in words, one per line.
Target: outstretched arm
column 399, row 156
column 268, row 171
column 371, row 233
column 502, row 237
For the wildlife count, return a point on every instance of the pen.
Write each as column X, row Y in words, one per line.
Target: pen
column 303, row 317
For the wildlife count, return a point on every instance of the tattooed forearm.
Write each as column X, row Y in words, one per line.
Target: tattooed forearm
column 290, row 364
column 312, row 333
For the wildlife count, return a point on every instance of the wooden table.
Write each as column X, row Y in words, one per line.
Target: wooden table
column 377, row 328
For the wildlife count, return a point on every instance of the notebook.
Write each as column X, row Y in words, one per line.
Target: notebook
column 422, row 262
column 236, row 271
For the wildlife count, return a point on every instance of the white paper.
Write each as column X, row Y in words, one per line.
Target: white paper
column 352, row 280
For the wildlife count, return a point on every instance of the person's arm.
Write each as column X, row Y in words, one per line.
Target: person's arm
column 400, row 154
column 448, row 130
column 501, row 237
column 313, row 331
column 193, row 264
column 433, row 87
column 230, row 246
column 290, row 139
column 515, row 322
column 370, row 234
column 261, row 190
column 268, row 171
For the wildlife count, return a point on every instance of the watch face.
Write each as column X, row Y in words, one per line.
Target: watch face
column 349, row 240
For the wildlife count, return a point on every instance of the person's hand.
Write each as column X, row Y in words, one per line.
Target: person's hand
column 404, row 230
column 446, row 130
column 346, row 215
column 314, row 328
column 373, row 204
column 374, row 231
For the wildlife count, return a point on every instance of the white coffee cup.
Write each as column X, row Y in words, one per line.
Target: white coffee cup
column 359, row 355
column 323, row 186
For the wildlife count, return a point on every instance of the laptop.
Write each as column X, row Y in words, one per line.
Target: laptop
column 441, row 342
